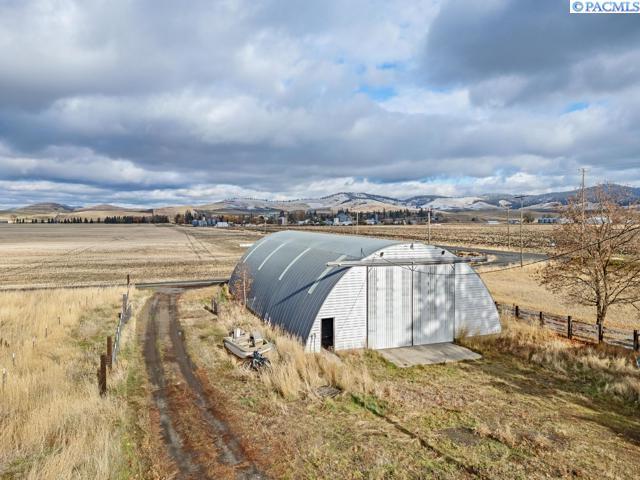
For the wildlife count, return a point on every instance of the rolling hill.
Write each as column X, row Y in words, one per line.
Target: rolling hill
column 341, row 201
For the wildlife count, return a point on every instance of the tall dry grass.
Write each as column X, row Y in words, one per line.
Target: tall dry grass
column 54, row 423
column 295, row 373
column 610, row 370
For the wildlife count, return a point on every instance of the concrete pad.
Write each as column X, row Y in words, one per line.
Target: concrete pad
column 428, row 354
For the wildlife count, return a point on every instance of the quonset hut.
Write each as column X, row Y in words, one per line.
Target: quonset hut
column 342, row 291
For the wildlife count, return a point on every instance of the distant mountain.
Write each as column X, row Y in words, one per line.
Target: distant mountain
column 368, row 202
column 101, row 208
column 354, row 202
column 338, row 201
column 43, row 209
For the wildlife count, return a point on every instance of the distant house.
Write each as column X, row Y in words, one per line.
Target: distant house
column 343, row 219
column 371, row 221
column 598, row 220
column 222, row 224
column 282, row 220
column 493, row 222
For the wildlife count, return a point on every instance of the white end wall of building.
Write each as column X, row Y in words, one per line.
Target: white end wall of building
column 347, row 305
column 476, row 312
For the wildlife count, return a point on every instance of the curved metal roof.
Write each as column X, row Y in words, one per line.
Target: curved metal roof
column 289, row 276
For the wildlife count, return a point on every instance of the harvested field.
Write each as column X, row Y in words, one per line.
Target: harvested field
column 66, row 255
column 535, row 236
column 570, row 413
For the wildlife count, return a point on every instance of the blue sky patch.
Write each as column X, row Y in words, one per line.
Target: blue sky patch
column 378, row 93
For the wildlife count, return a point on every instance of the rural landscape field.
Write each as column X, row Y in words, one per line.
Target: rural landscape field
column 405, row 423
column 364, row 240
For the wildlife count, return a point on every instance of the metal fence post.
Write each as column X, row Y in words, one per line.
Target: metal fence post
column 636, row 341
column 569, row 327
column 109, row 352
column 517, row 311
column 541, row 319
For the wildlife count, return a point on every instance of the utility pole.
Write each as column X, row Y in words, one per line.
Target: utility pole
column 429, row 225
column 357, row 221
column 508, row 229
column 584, row 217
column 521, row 197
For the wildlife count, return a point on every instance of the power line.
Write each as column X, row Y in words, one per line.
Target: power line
column 552, row 257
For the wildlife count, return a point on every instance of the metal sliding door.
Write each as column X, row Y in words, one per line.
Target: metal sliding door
column 389, row 307
column 433, row 304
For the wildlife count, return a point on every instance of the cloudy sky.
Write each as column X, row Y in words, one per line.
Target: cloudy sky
column 159, row 102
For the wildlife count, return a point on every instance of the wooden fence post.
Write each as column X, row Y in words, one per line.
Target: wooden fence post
column 636, row 341
column 517, row 311
column 541, row 319
column 102, row 375
column 569, row 327
column 600, row 333
column 109, row 352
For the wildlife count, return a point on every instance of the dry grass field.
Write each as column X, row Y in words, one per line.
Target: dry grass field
column 54, row 423
column 66, row 255
column 540, row 406
column 536, row 406
column 520, row 286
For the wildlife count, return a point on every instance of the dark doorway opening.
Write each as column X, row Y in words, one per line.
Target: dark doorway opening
column 326, row 334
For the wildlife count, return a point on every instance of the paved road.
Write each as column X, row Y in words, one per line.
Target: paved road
column 500, row 257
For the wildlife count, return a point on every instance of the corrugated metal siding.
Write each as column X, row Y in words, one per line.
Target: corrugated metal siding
column 476, row 313
column 433, row 304
column 286, row 301
column 346, row 304
column 389, row 301
column 279, row 291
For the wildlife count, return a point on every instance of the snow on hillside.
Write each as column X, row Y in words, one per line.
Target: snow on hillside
column 459, row 203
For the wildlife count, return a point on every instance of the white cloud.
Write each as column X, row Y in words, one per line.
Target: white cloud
column 152, row 102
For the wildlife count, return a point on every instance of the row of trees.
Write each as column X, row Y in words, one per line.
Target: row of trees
column 114, row 219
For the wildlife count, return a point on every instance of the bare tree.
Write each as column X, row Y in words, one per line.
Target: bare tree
column 242, row 284
column 596, row 258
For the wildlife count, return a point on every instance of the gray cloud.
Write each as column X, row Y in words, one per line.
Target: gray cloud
column 156, row 103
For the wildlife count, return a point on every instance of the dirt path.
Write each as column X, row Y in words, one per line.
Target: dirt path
column 196, row 436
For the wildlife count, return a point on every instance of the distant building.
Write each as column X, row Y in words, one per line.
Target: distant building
column 343, row 219
column 222, row 224
column 371, row 221
column 493, row 222
column 282, row 220
column 598, row 220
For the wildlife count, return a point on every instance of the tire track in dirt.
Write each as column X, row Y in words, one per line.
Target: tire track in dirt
column 197, row 438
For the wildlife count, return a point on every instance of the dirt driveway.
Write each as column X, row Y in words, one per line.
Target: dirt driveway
column 199, row 442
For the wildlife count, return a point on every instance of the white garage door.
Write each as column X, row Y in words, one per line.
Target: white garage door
column 389, row 307
column 410, row 309
column 433, row 304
